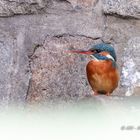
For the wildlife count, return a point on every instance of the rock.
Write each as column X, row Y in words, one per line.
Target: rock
column 57, row 23
column 22, row 7
column 124, row 8
column 17, row 7
column 14, row 71
column 131, row 67
column 58, row 74
column 83, row 3
column 119, row 32
column 44, row 29
column 27, row 32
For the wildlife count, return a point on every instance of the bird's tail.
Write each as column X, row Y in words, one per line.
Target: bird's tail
column 102, row 92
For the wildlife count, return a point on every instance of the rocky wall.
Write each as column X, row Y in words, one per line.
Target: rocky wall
column 36, row 34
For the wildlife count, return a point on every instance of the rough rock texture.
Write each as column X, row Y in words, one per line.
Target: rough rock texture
column 124, row 8
column 17, row 7
column 53, row 68
column 124, row 34
column 33, row 64
column 131, row 68
column 14, row 71
column 83, row 3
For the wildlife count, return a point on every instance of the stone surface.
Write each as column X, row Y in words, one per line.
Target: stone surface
column 28, row 31
column 119, row 32
column 83, row 3
column 17, row 7
column 32, row 46
column 14, row 71
column 58, row 74
column 131, row 67
column 124, row 8
column 22, row 7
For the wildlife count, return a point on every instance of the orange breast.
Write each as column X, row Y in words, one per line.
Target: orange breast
column 102, row 76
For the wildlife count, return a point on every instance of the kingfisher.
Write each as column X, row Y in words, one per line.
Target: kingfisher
column 102, row 71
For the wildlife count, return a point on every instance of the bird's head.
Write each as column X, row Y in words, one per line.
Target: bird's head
column 99, row 52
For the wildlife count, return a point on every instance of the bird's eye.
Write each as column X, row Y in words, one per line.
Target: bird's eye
column 97, row 51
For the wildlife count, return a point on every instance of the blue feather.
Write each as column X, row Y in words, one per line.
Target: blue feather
column 104, row 47
column 100, row 57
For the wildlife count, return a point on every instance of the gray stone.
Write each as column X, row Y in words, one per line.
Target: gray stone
column 17, row 7
column 124, row 8
column 58, row 23
column 14, row 71
column 83, row 3
column 27, row 32
column 119, row 32
column 131, row 67
column 56, row 26
column 56, row 73
column 22, row 7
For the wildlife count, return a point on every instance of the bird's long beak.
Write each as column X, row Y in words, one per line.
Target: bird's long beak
column 88, row 52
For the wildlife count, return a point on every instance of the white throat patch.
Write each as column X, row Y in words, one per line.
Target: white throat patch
column 93, row 57
column 110, row 57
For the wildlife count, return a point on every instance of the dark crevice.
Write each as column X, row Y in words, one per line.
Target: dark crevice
column 66, row 35
column 66, row 1
column 36, row 46
column 121, row 16
column 96, row 2
column 104, row 27
column 29, row 85
column 30, row 80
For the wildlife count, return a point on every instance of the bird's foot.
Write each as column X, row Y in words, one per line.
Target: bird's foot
column 107, row 94
column 95, row 93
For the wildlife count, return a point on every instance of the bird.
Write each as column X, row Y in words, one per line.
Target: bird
column 102, row 70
